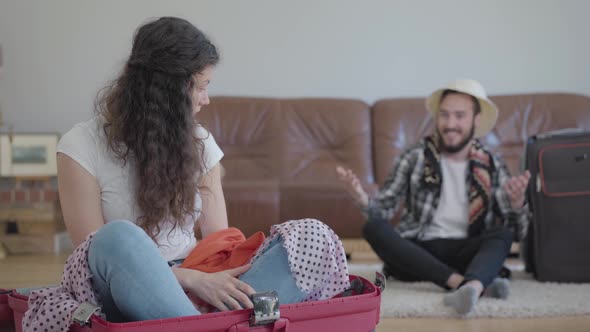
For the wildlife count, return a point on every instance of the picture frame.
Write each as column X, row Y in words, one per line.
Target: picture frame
column 28, row 154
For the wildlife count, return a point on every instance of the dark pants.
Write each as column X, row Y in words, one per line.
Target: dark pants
column 479, row 258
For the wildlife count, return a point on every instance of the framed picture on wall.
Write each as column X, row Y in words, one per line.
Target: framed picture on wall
column 28, row 154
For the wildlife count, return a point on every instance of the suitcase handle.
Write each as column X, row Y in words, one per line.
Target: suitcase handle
column 280, row 325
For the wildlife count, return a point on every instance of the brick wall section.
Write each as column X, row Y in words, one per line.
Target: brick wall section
column 33, row 191
column 30, row 218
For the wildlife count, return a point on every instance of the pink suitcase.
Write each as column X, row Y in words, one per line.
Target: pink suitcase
column 358, row 311
column 6, row 319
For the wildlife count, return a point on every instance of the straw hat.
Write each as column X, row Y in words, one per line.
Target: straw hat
column 489, row 111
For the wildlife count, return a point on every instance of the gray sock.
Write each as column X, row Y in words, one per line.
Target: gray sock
column 499, row 289
column 462, row 300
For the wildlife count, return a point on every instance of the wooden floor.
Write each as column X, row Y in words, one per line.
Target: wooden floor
column 27, row 271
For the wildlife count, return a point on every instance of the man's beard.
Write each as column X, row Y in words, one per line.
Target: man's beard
column 457, row 147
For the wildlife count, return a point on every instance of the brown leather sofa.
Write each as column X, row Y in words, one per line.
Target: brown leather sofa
column 281, row 154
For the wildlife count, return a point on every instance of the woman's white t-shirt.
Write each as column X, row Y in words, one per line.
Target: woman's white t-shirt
column 86, row 144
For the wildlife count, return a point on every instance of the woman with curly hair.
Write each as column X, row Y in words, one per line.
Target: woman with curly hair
column 135, row 181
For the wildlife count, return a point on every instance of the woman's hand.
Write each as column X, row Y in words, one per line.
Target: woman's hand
column 221, row 289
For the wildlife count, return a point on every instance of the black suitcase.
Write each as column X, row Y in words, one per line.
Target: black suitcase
column 557, row 246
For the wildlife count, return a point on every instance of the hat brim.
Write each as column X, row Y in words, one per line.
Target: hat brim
column 488, row 114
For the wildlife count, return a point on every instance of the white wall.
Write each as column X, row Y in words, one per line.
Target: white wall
column 58, row 53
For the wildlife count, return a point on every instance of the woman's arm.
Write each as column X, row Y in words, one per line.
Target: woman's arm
column 79, row 196
column 213, row 211
column 222, row 290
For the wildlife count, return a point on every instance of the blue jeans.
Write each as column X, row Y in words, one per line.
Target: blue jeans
column 134, row 282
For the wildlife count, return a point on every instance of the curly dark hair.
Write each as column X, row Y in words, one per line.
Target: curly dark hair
column 148, row 118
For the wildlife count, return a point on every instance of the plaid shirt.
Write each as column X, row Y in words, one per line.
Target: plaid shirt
column 404, row 185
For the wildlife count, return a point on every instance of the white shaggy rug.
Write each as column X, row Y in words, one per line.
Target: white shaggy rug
column 528, row 298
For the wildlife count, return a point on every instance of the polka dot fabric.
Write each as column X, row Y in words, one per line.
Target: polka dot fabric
column 316, row 257
column 51, row 309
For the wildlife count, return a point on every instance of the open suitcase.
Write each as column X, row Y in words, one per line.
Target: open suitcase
column 557, row 246
column 355, row 310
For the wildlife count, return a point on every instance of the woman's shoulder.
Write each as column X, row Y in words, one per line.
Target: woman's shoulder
column 83, row 143
column 203, row 133
column 83, row 131
column 212, row 151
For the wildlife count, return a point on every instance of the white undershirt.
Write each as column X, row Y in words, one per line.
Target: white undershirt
column 451, row 218
column 86, row 144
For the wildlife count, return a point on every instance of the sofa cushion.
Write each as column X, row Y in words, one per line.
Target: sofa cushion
column 327, row 202
column 319, row 134
column 252, row 206
column 397, row 125
column 247, row 131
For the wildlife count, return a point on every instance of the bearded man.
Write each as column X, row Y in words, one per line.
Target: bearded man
column 461, row 206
